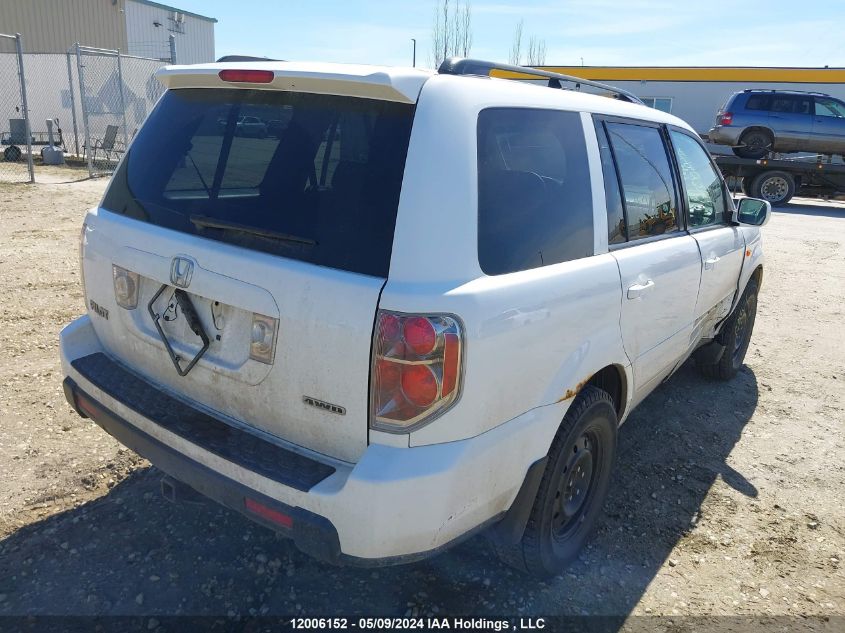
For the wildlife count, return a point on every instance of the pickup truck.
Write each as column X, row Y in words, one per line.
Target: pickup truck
column 418, row 311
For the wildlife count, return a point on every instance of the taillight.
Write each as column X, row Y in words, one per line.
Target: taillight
column 726, row 118
column 247, row 76
column 416, row 372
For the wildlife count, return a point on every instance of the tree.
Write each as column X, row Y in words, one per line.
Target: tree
column 451, row 33
column 516, row 47
column 536, row 51
column 536, row 54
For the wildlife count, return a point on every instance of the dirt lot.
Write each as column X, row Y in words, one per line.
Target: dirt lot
column 728, row 498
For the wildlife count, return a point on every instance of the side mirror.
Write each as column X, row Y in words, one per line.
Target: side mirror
column 752, row 212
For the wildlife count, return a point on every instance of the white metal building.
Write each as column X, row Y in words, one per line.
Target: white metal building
column 150, row 24
column 135, row 27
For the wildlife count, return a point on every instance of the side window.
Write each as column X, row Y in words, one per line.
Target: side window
column 790, row 104
column 703, row 186
column 534, row 194
column 803, row 105
column 612, row 195
column 829, row 107
column 758, row 102
column 782, row 103
column 647, row 185
column 664, row 104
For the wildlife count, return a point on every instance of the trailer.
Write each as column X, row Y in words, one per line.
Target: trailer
column 778, row 179
column 16, row 137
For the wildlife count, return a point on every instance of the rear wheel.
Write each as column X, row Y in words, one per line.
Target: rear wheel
column 573, row 488
column 777, row 187
column 754, row 144
column 735, row 336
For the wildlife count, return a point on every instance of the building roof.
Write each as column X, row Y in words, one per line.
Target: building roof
column 742, row 74
column 167, row 7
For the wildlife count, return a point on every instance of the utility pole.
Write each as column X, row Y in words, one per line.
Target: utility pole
column 414, row 58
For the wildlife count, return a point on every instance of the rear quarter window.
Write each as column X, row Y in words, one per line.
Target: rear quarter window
column 758, row 102
column 534, row 195
column 309, row 177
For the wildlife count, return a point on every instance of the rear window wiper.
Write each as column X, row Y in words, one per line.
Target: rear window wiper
column 213, row 223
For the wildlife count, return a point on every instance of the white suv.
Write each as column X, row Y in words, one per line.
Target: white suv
column 419, row 310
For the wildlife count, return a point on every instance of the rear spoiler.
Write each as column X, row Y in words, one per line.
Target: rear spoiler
column 247, row 58
column 400, row 84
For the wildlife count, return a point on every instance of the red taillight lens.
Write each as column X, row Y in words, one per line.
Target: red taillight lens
column 420, row 335
column 726, row 118
column 416, row 369
column 247, row 76
column 419, row 385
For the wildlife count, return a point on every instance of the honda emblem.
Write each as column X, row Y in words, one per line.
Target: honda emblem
column 181, row 270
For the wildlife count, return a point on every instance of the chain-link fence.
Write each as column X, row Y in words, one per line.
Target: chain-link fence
column 116, row 93
column 91, row 101
column 15, row 134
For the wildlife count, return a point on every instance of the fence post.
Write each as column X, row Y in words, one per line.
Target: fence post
column 89, row 154
column 72, row 104
column 172, row 39
column 122, row 101
column 25, row 107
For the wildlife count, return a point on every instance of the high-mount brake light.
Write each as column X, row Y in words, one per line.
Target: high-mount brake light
column 247, row 76
column 416, row 369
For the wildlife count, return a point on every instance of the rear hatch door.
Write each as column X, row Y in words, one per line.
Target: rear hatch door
column 276, row 237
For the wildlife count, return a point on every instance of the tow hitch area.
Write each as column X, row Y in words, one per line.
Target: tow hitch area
column 175, row 491
column 187, row 308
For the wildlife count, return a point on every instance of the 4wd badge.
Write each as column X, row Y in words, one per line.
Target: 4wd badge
column 181, row 271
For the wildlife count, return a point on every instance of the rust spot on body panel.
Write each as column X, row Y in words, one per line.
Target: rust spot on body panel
column 571, row 393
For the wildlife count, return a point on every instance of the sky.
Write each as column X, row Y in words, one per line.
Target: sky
column 576, row 32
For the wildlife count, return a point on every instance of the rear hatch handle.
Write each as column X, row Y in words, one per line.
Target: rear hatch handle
column 184, row 302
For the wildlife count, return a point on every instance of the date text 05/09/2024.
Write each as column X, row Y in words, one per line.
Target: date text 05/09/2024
column 420, row 624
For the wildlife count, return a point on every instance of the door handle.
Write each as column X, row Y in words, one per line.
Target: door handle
column 709, row 264
column 638, row 290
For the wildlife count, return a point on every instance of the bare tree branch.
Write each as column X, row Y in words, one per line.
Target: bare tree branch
column 536, row 51
column 516, row 48
column 452, row 31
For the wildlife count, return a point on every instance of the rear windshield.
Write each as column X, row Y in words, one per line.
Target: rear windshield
column 309, row 177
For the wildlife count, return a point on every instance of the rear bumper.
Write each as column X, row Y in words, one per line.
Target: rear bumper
column 312, row 533
column 395, row 505
column 724, row 135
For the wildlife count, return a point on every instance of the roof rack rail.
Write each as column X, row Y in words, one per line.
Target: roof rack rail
column 803, row 92
column 247, row 58
column 462, row 66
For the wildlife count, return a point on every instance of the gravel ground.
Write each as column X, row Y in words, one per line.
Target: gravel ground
column 727, row 500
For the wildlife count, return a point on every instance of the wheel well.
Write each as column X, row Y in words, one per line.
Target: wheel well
column 612, row 380
column 757, row 275
column 758, row 128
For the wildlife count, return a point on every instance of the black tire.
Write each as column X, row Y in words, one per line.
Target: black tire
column 12, row 153
column 754, row 144
column 735, row 336
column 777, row 187
column 580, row 463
